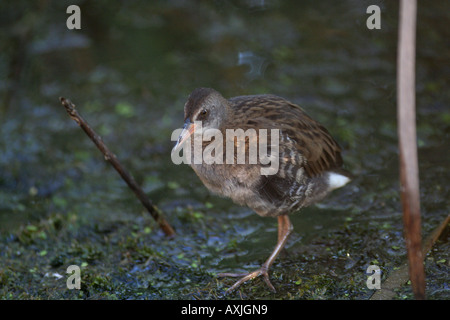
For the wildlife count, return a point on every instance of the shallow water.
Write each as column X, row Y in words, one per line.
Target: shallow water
column 130, row 69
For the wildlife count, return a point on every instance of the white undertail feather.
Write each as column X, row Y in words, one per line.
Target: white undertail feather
column 336, row 180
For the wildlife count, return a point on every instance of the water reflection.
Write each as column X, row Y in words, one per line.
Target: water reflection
column 256, row 64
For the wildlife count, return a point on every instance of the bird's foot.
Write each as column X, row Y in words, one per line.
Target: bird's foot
column 264, row 271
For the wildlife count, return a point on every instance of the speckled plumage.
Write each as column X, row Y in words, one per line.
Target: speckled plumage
column 307, row 153
column 309, row 159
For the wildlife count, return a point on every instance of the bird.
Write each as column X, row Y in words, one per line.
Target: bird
column 309, row 160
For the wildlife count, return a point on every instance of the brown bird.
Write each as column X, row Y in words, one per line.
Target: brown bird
column 305, row 159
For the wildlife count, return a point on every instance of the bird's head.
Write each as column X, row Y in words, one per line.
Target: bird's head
column 204, row 105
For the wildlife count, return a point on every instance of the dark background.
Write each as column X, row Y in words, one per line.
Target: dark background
column 130, row 69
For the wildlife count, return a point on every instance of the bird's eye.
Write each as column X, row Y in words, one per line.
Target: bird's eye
column 204, row 112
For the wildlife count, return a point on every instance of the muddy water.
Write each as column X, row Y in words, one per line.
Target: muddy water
column 130, row 69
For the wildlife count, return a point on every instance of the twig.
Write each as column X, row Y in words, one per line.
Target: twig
column 406, row 117
column 435, row 235
column 109, row 156
column 400, row 276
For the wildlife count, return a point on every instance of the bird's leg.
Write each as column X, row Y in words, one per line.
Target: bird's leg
column 284, row 230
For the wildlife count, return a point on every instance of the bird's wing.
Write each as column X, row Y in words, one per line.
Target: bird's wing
column 304, row 142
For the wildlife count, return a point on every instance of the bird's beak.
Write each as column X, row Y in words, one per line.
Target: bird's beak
column 188, row 130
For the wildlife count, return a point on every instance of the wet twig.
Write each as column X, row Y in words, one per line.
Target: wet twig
column 400, row 276
column 409, row 171
column 111, row 158
column 435, row 235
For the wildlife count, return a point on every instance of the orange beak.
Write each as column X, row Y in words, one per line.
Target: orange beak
column 188, row 130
